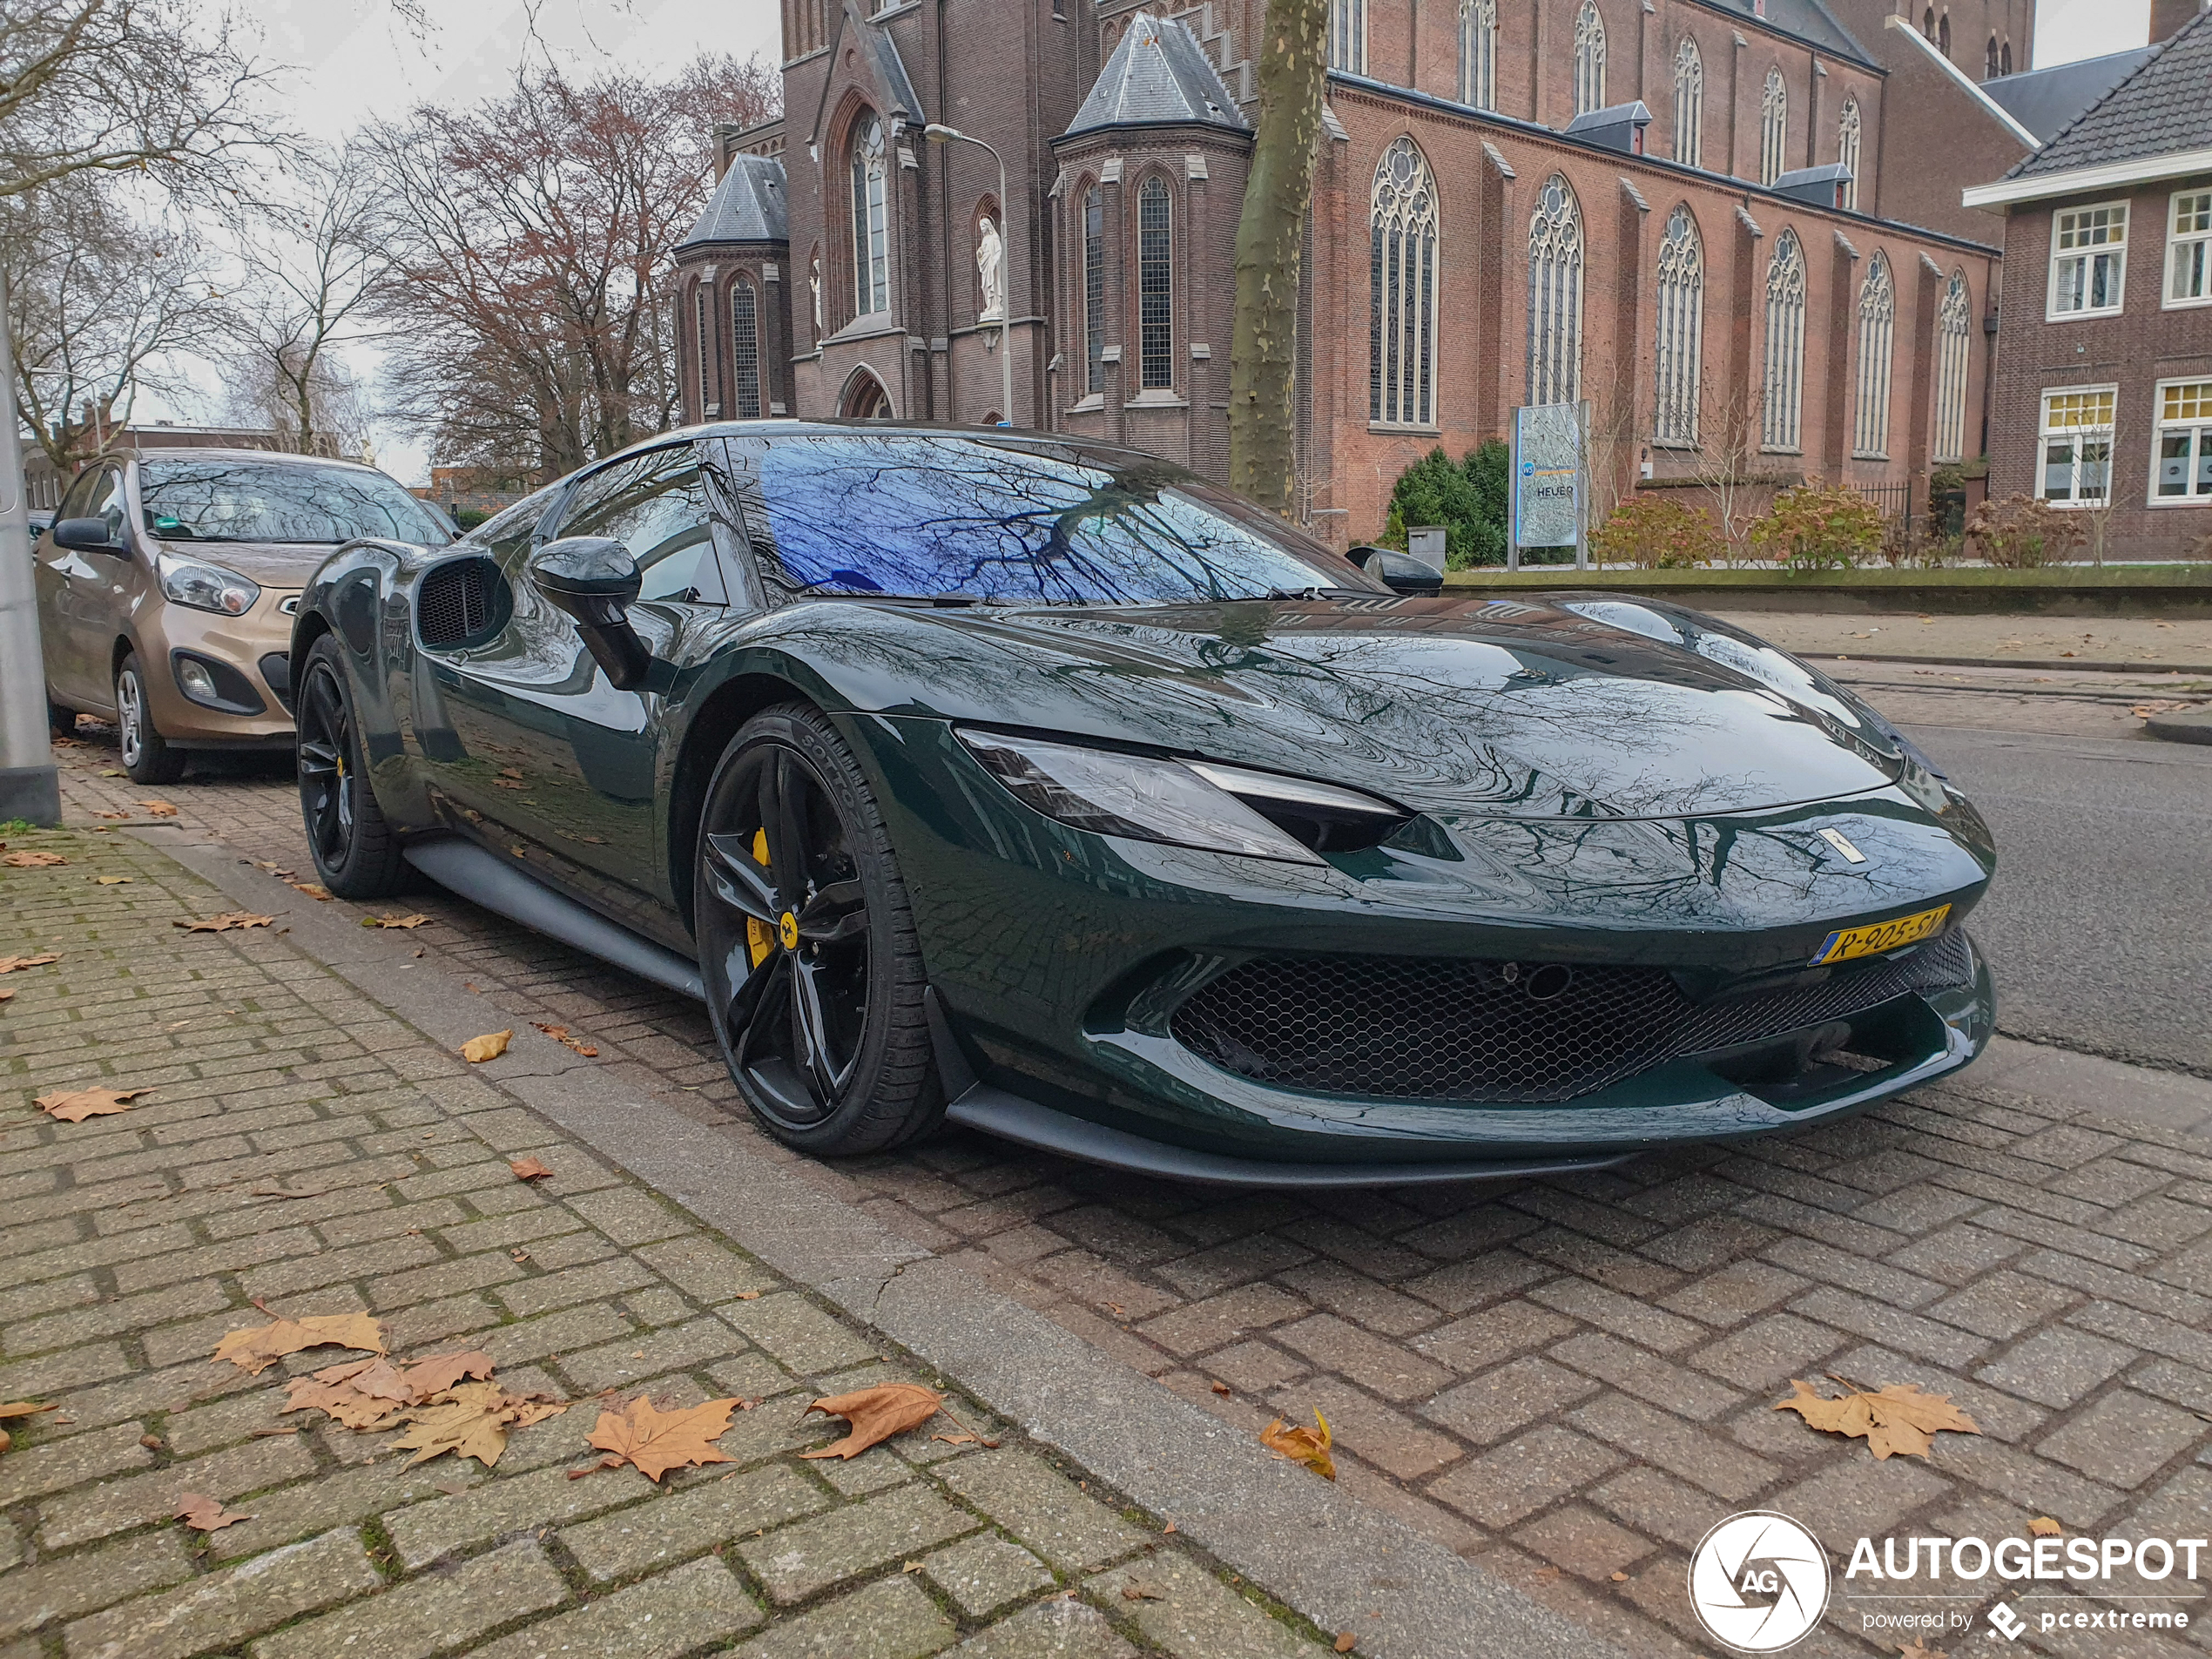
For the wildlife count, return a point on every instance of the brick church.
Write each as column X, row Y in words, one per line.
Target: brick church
column 1732, row 226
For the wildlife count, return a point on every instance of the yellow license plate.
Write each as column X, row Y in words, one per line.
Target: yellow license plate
column 1882, row 936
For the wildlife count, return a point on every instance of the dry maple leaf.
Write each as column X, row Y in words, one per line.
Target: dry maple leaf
column 7, row 996
column 255, row 1350
column 655, row 1442
column 560, row 1034
column 22, row 1408
column 529, row 1169
column 112, row 880
column 33, row 861
column 14, row 964
column 203, row 1514
column 876, row 1414
column 159, row 808
column 397, row 922
column 1138, row 1589
column 75, row 1105
column 225, row 922
column 1346, row 1641
column 2044, row 1527
column 313, row 889
column 491, row 1046
column 1918, row 1649
column 1899, row 1418
column 1302, row 1445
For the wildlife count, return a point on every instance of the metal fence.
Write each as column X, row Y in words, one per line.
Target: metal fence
column 1891, row 500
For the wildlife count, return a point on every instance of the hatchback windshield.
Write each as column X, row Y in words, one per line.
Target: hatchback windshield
column 225, row 500
column 921, row 516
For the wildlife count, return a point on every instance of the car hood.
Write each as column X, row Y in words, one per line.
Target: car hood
column 1564, row 705
column 272, row 564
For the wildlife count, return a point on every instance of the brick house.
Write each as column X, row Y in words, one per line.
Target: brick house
column 2103, row 389
column 1695, row 214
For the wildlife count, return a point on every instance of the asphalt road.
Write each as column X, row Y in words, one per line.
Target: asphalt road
column 2099, row 925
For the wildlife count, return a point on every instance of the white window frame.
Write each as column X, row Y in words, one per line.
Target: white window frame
column 2064, row 256
column 1774, row 127
column 2045, row 433
column 1690, row 104
column 1348, row 36
column 1404, row 265
column 1479, row 53
column 2179, row 242
column 2159, row 426
column 1589, row 58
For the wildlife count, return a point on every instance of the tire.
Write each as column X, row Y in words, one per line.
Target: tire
column 356, row 854
column 61, row 720
column 813, row 974
column 146, row 755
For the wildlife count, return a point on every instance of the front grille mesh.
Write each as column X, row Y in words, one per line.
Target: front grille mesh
column 453, row 606
column 1446, row 1028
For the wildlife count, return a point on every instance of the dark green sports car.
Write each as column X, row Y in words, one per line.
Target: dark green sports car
column 1054, row 791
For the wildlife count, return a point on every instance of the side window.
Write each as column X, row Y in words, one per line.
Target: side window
column 107, row 501
column 78, row 502
column 506, row 536
column 655, row 505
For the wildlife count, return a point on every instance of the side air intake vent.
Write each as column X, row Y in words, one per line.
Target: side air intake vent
column 462, row 602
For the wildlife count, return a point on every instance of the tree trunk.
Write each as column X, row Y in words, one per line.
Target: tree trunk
column 1263, row 352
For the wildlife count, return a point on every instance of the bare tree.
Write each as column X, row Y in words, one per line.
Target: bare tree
column 1728, row 461
column 1610, row 447
column 2100, row 450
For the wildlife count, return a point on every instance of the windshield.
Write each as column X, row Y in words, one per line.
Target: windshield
column 228, row 499
column 922, row 515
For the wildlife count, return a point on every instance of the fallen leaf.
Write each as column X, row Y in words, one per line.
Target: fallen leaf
column 111, row 814
column 313, row 889
column 471, row 1420
column 654, row 1441
column 746, row 1296
column 1898, row 1419
column 75, row 1105
column 509, row 783
column 22, row 1408
column 1918, row 1649
column 1346, row 1641
column 491, row 1046
column 33, row 861
column 111, row 772
column 1221, row 1388
column 7, row 996
column 255, row 1350
column 1618, row 1578
column 271, row 1431
column 111, row 880
column 961, row 1439
column 397, row 922
column 1138, row 1590
column 225, row 922
column 876, row 1414
column 529, row 1169
column 204, row 1514
column 15, row 964
column 1302, row 1445
column 911, row 1567
column 560, row 1035
column 1169, row 1527
column 510, row 771
column 159, row 808
column 2044, row 1527
column 610, row 1461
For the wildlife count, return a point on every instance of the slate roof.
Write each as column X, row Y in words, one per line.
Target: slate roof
column 2046, row 101
column 1159, row 74
column 898, row 85
column 2163, row 107
column 746, row 206
column 1807, row 19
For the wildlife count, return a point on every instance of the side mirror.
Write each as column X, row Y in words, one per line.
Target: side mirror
column 86, row 535
column 1400, row 572
column 594, row 580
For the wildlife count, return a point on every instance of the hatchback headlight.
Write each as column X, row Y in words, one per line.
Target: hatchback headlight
column 1197, row 803
column 206, row 587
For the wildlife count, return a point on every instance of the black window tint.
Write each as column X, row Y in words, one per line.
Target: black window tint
column 77, row 502
column 656, row 506
column 506, row 536
column 219, row 498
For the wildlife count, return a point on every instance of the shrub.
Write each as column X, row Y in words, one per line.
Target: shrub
column 468, row 517
column 1814, row 528
column 2022, row 532
column 1468, row 499
column 1652, row 532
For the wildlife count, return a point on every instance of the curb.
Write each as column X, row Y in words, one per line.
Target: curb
column 2041, row 665
column 2192, row 727
column 1318, row 1550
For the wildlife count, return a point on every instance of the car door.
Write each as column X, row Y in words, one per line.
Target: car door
column 83, row 596
column 556, row 762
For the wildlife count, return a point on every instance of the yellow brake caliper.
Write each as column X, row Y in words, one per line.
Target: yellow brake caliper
column 760, row 937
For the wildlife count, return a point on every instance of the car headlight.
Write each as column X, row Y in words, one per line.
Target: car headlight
column 1195, row 803
column 206, row 587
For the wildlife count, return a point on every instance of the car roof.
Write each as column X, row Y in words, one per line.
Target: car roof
column 1017, row 438
column 281, row 457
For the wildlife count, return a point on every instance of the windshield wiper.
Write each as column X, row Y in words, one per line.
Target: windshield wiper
column 1319, row 590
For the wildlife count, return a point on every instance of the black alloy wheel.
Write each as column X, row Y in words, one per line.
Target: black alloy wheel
column 812, row 975
column 356, row 854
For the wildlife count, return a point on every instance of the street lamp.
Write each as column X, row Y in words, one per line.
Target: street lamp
column 29, row 787
column 937, row 133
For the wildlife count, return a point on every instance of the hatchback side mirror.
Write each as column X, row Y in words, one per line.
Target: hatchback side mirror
column 1400, row 572
column 86, row 535
column 594, row 580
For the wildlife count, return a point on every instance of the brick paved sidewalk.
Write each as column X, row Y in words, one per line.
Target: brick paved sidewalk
column 129, row 1243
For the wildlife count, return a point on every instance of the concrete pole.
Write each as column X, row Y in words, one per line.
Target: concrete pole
column 29, row 787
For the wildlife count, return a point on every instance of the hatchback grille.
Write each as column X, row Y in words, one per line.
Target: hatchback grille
column 453, row 606
column 1448, row 1028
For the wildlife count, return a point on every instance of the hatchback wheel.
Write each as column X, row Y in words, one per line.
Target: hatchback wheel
column 146, row 755
column 356, row 854
column 806, row 943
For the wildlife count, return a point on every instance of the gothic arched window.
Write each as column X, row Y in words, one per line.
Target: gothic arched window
column 1954, row 327
column 1681, row 329
column 1989, row 60
column 1774, row 128
column 2004, row 59
column 1877, row 333
column 1155, row 287
column 1590, row 59
column 745, row 350
column 871, row 220
column 1479, row 53
column 1847, row 148
column 1782, row 420
column 1348, row 36
column 1690, row 104
column 1943, row 34
column 702, row 346
column 1094, row 289
column 1556, row 296
column 1401, row 329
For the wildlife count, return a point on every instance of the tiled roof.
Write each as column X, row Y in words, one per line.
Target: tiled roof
column 2046, row 101
column 746, row 206
column 1159, row 74
column 2162, row 108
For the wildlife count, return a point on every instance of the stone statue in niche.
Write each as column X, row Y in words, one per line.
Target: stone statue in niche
column 814, row 282
column 990, row 271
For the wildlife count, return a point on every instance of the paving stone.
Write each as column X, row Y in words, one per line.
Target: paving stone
column 435, row 1613
column 1768, row 1350
column 1581, row 1541
column 211, row 1613
column 799, row 1334
column 1657, row 1505
column 66, row 1586
column 2056, row 1367
column 1385, row 1438
column 2002, row 1305
column 1394, row 1371
column 631, row 1359
column 1722, row 1469
column 549, row 1290
column 1956, row 1255
column 1646, row 1375
column 1043, row 1509
column 1497, row 1403
column 674, row 1525
column 1195, row 1616
column 985, row 1573
column 1923, row 1339
column 1863, row 1498
column 1056, row 1628
column 1521, row 1477
column 1216, row 1320
column 31, row 1470
column 1483, row 1339
column 10, row 1544
column 702, row 1268
column 342, row 1497
column 891, row 1620
column 570, row 1331
column 132, row 1501
column 795, row 1562
column 544, row 1497
column 674, row 1613
column 1624, row 1316
column 2123, row 1439
column 630, row 1217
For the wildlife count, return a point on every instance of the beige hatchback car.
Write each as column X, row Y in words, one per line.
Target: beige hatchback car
column 167, row 583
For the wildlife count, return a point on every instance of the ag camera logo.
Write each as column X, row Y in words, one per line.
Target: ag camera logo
column 1759, row 1582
